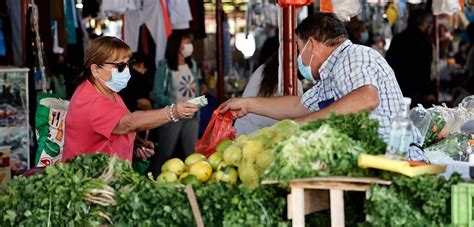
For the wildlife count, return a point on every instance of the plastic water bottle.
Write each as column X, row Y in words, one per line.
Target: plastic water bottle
column 400, row 133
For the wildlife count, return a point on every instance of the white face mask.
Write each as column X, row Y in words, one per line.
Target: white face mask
column 187, row 50
column 119, row 79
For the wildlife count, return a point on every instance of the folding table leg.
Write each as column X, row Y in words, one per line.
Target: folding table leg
column 297, row 203
column 337, row 208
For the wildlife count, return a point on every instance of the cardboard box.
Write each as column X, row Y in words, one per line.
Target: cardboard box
column 5, row 176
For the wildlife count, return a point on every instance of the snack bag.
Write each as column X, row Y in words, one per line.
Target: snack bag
column 50, row 125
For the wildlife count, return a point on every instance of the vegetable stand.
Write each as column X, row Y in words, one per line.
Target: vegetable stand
column 96, row 190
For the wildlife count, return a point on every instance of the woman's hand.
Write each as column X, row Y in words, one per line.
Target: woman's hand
column 144, row 149
column 185, row 110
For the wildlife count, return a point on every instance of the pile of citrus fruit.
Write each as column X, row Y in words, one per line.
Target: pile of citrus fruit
column 196, row 169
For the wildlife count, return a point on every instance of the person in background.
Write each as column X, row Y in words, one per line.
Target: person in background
column 137, row 93
column 410, row 55
column 357, row 32
column 469, row 83
column 262, row 83
column 350, row 78
column 97, row 118
column 268, row 48
column 176, row 80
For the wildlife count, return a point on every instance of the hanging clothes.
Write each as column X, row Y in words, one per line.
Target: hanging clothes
column 226, row 41
column 90, row 8
column 58, row 15
column 132, row 22
column 3, row 48
column 71, row 21
column 197, row 25
column 152, row 15
column 118, row 6
column 180, row 14
column 16, row 27
column 166, row 17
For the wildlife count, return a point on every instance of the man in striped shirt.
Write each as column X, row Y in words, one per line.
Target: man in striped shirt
column 349, row 78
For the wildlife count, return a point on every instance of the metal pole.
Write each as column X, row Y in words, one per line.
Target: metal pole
column 289, row 51
column 220, row 53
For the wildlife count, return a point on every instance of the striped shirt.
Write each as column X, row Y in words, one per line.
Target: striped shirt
column 350, row 67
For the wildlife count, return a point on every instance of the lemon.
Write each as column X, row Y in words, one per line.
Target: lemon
column 215, row 159
column 191, row 159
column 166, row 177
column 174, row 165
column 202, row 170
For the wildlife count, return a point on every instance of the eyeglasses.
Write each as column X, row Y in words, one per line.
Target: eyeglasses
column 120, row 65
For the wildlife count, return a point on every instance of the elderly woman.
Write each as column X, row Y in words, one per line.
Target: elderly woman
column 97, row 118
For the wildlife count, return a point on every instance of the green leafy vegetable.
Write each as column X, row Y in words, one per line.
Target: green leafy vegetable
column 359, row 127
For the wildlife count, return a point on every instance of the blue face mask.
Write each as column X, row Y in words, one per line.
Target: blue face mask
column 119, row 79
column 364, row 37
column 305, row 70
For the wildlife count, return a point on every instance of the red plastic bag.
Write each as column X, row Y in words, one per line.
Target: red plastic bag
column 285, row 3
column 219, row 129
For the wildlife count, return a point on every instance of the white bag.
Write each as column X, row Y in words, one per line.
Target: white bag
column 449, row 7
column 346, row 9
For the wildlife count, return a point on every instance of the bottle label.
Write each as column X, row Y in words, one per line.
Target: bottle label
column 399, row 142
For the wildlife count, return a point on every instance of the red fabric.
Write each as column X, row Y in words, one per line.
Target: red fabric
column 219, row 129
column 90, row 120
column 144, row 40
column 285, row 3
column 166, row 18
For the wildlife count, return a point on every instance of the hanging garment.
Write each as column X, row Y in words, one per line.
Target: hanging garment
column 166, row 17
column 197, row 26
column 56, row 48
column 3, row 49
column 345, row 9
column 180, row 14
column 118, row 6
column 70, row 22
column 153, row 18
column 449, row 7
column 143, row 46
column 132, row 22
column 150, row 14
column 90, row 8
column 16, row 26
column 58, row 15
column 226, row 42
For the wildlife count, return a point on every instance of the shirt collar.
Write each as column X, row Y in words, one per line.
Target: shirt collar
column 327, row 67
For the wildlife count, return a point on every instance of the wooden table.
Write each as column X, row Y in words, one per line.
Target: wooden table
column 320, row 193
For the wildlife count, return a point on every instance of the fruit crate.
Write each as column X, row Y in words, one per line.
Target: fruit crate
column 462, row 209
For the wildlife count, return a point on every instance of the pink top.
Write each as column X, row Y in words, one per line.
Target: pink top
column 90, row 120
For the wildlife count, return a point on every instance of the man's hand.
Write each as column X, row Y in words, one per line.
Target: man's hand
column 238, row 107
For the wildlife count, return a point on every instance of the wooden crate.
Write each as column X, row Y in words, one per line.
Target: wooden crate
column 320, row 193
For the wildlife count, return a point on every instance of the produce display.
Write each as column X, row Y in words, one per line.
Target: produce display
column 197, row 170
column 95, row 190
column 418, row 201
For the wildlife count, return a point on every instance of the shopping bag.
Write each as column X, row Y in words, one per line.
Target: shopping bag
column 219, row 129
column 50, row 127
